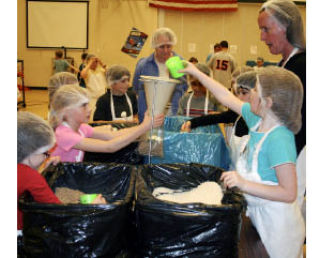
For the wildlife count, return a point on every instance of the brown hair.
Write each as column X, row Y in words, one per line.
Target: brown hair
column 59, row 53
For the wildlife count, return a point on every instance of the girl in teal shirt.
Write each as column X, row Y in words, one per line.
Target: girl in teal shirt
column 266, row 171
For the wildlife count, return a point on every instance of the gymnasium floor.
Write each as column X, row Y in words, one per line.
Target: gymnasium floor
column 37, row 102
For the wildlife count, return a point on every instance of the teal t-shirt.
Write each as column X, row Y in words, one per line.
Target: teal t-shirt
column 60, row 65
column 277, row 149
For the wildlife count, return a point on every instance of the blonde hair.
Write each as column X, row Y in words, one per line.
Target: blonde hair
column 67, row 96
column 286, row 91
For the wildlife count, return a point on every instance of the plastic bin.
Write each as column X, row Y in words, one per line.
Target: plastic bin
column 76, row 230
column 167, row 229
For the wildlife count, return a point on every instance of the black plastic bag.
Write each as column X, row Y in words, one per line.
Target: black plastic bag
column 76, row 230
column 126, row 155
column 167, row 229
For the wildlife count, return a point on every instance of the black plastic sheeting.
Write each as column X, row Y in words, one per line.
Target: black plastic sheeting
column 126, row 155
column 75, row 230
column 167, row 229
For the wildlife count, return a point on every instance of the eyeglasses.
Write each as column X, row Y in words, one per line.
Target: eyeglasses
column 46, row 154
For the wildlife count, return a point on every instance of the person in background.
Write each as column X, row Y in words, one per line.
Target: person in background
column 82, row 83
column 265, row 170
column 222, row 65
column 198, row 102
column 216, row 48
column 281, row 28
column 193, row 60
column 117, row 104
column 94, row 74
column 245, row 82
column 61, row 65
column 163, row 40
column 71, row 113
column 260, row 62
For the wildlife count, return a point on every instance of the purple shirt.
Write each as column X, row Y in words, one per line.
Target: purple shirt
column 66, row 138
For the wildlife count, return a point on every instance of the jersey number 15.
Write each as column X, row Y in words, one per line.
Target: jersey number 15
column 222, row 65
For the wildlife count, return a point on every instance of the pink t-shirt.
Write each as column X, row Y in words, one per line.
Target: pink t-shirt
column 66, row 138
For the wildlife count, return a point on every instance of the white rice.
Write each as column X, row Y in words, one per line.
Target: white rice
column 206, row 193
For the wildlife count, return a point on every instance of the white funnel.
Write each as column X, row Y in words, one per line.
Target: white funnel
column 158, row 92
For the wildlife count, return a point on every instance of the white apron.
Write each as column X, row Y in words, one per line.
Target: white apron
column 279, row 224
column 206, row 103
column 234, row 143
column 123, row 114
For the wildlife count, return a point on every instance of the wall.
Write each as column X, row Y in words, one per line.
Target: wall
column 109, row 24
column 111, row 20
column 239, row 28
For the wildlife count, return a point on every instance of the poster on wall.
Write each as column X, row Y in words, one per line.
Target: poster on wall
column 134, row 42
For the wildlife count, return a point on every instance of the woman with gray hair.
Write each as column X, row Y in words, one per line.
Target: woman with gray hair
column 163, row 40
column 281, row 27
column 117, row 104
column 35, row 139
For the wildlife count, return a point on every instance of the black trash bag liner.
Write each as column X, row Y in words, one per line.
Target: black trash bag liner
column 167, row 229
column 126, row 155
column 76, row 230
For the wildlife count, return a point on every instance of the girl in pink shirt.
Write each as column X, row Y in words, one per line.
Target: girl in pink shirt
column 70, row 114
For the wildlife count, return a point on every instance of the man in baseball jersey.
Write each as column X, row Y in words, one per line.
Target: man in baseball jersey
column 222, row 65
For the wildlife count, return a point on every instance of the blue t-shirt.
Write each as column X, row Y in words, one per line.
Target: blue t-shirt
column 277, row 149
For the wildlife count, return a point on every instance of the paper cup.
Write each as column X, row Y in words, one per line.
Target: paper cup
column 87, row 198
column 175, row 64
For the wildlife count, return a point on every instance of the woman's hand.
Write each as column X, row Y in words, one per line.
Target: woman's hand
column 232, row 179
column 99, row 200
column 186, row 127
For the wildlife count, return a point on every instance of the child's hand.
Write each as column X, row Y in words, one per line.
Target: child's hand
column 186, row 127
column 107, row 127
column 232, row 179
column 157, row 120
column 99, row 200
column 189, row 68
